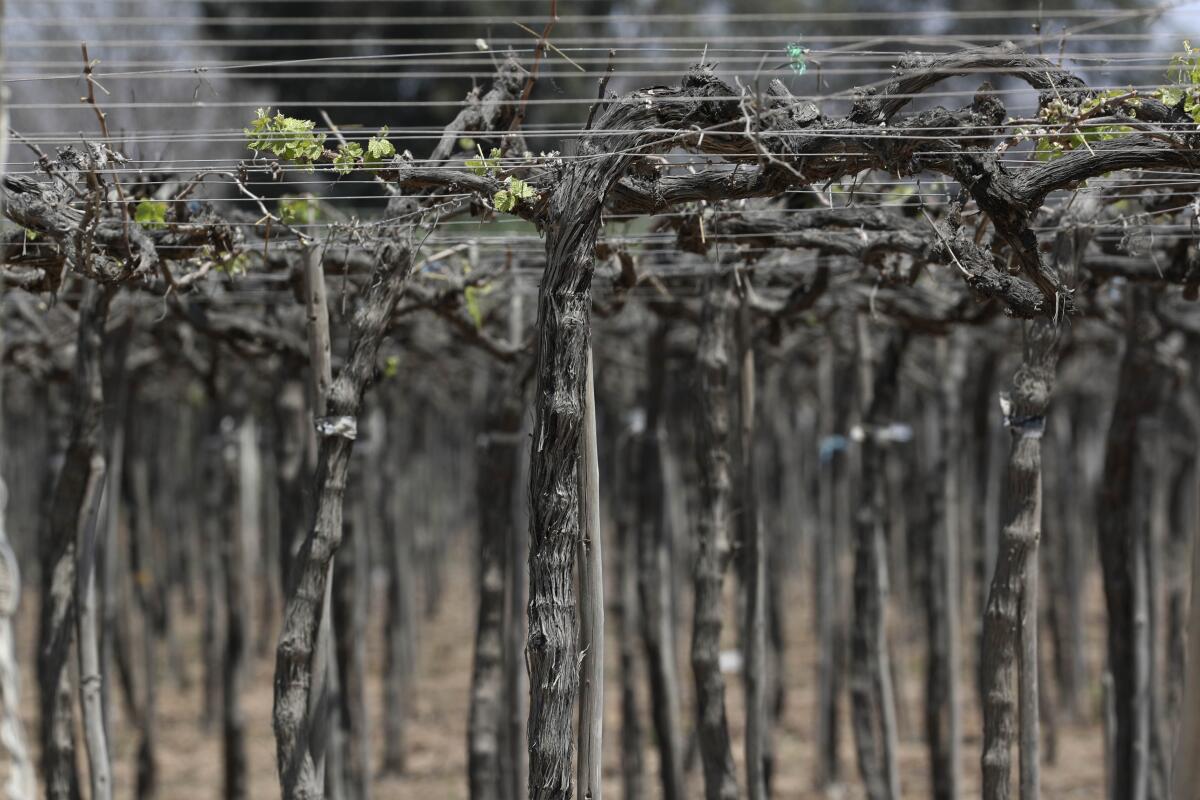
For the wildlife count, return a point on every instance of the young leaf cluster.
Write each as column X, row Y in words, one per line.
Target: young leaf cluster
column 292, row 139
column 507, row 199
column 151, row 214
column 484, row 164
column 1067, row 127
column 1185, row 72
column 286, row 138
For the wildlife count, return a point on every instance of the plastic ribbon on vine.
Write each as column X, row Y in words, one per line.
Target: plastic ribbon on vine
column 797, row 58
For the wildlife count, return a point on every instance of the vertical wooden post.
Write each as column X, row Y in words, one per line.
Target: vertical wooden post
column 591, row 603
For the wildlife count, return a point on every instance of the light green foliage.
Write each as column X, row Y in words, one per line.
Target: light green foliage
column 379, row 148
column 1185, row 74
column 347, row 158
column 298, row 210
column 151, row 214
column 1068, row 127
column 466, row 143
column 31, row 236
column 507, row 199
column 287, row 138
column 484, row 164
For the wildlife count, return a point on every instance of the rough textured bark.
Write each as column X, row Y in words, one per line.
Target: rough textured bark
column 654, row 576
column 713, row 542
column 591, row 604
column 872, row 701
column 1006, row 612
column 1139, row 388
column 66, row 514
column 87, row 637
column 351, row 605
column 564, row 322
column 498, row 468
column 289, row 433
column 95, row 736
column 294, row 656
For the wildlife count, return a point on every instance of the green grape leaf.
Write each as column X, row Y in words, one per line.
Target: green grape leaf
column 151, row 214
column 391, row 367
column 521, row 190
column 347, row 158
column 482, row 165
column 379, row 148
column 287, row 138
column 504, row 200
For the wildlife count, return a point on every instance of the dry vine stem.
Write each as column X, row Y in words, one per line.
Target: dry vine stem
column 295, row 667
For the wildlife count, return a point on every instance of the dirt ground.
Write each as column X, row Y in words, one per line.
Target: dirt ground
column 190, row 758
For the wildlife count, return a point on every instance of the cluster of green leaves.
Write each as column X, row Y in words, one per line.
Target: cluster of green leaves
column 485, row 164
column 515, row 189
column 287, row 138
column 507, row 199
column 1073, row 130
column 350, row 155
column 379, row 149
column 1185, row 72
column 151, row 214
column 292, row 139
